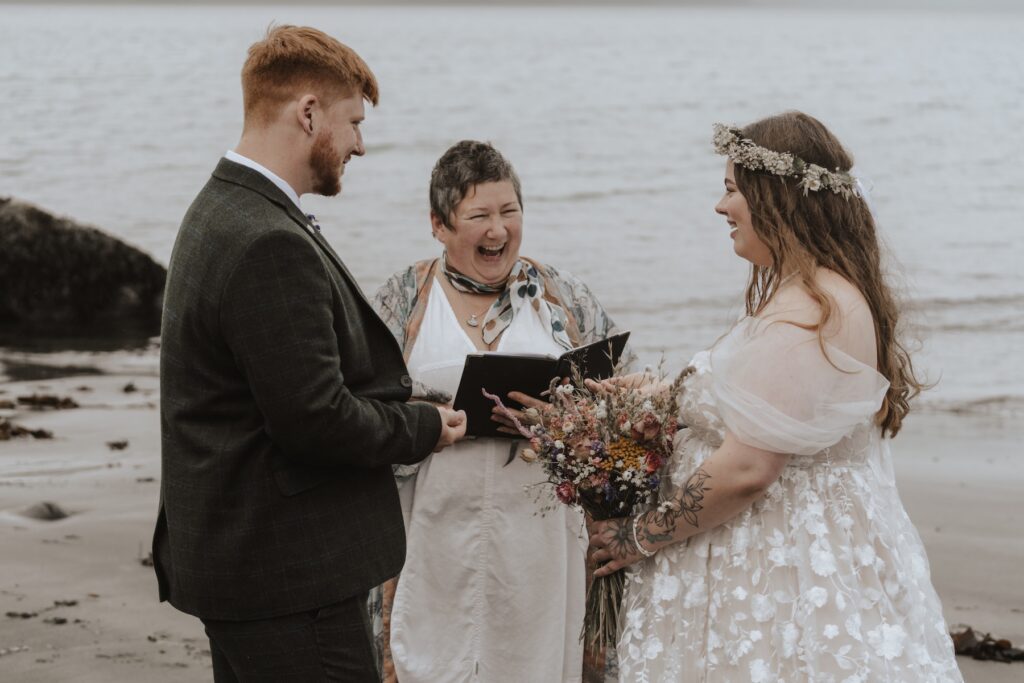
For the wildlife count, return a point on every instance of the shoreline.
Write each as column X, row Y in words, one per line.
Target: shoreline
column 958, row 476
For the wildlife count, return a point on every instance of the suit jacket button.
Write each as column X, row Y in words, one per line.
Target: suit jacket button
column 406, row 381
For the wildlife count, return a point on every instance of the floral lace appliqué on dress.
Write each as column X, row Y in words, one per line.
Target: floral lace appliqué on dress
column 825, row 579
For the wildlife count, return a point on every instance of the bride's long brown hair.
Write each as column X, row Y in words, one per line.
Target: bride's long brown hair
column 822, row 229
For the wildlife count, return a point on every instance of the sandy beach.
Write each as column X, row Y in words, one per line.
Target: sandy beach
column 81, row 605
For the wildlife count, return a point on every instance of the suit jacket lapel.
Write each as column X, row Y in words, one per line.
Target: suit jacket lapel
column 238, row 174
column 319, row 238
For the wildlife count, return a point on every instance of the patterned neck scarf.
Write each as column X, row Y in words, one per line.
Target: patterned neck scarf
column 524, row 287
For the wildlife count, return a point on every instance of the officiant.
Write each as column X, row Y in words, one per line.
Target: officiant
column 491, row 588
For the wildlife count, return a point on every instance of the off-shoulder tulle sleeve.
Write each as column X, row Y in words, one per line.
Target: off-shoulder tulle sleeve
column 777, row 391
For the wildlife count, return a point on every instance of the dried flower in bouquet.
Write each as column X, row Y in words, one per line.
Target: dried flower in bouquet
column 603, row 452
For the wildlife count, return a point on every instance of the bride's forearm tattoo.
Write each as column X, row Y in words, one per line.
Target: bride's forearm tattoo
column 688, row 502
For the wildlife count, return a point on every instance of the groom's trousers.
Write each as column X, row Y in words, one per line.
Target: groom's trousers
column 332, row 643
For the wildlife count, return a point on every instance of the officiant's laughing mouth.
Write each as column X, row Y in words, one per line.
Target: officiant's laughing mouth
column 492, row 254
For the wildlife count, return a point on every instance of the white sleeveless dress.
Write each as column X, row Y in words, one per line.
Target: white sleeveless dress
column 491, row 590
column 825, row 579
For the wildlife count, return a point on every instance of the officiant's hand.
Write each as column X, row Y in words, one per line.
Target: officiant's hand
column 527, row 402
column 612, row 546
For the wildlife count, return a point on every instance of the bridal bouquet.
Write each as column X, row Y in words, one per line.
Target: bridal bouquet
column 602, row 452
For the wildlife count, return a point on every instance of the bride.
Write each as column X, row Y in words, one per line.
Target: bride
column 782, row 551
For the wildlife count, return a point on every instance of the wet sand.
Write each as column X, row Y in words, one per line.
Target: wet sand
column 960, row 478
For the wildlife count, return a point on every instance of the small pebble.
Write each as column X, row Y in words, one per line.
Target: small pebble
column 45, row 511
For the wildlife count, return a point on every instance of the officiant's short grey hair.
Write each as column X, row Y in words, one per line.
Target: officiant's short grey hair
column 465, row 165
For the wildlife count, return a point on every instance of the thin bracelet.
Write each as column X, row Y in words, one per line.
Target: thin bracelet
column 636, row 541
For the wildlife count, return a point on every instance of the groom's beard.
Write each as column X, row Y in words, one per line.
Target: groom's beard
column 326, row 164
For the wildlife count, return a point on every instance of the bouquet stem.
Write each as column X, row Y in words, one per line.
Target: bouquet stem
column 601, row 621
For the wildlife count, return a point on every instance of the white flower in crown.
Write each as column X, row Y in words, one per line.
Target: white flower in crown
column 779, row 164
column 813, row 178
column 723, row 136
column 745, row 152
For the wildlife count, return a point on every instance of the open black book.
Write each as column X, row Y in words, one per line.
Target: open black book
column 500, row 373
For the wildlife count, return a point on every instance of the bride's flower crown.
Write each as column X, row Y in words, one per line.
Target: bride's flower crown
column 729, row 141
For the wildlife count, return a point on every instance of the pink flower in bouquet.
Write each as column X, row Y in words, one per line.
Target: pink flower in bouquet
column 653, row 462
column 566, row 492
column 646, row 428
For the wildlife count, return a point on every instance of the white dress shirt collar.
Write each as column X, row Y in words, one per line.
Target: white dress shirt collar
column 231, row 155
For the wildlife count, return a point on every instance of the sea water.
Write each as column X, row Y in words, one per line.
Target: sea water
column 115, row 116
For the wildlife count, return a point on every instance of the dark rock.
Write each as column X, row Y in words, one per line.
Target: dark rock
column 6, row 405
column 18, row 371
column 130, row 388
column 45, row 511
column 9, row 430
column 55, row 272
column 47, row 401
column 117, row 445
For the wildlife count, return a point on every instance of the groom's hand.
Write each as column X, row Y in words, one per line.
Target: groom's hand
column 453, row 427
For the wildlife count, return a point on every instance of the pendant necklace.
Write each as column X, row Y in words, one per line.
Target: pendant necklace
column 473, row 319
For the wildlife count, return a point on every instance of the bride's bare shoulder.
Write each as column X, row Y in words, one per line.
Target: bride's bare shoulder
column 850, row 306
column 793, row 303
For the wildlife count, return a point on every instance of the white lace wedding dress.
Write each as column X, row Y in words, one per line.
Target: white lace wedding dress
column 825, row 579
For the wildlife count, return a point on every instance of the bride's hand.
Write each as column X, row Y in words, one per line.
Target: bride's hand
column 527, row 402
column 643, row 382
column 611, row 545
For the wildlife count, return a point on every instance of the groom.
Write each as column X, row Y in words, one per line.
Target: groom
column 283, row 394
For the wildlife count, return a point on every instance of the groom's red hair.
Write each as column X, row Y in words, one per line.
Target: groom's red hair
column 293, row 60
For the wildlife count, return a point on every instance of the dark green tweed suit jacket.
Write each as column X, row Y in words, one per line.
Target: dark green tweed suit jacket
column 282, row 410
